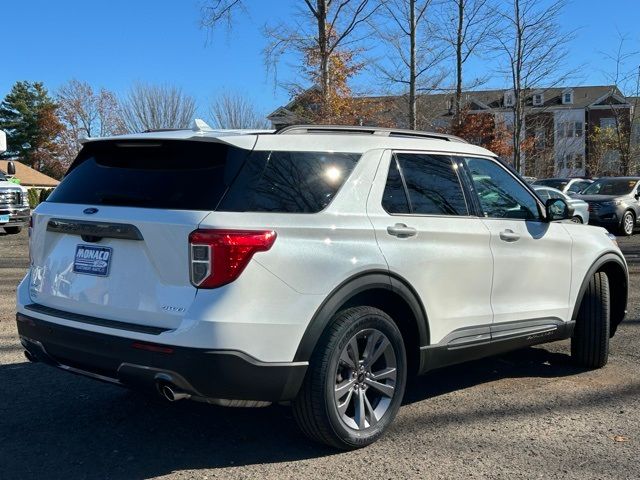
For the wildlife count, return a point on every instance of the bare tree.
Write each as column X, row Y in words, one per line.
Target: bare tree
column 405, row 27
column 323, row 30
column 623, row 136
column 235, row 111
column 152, row 107
column 216, row 12
column 323, row 36
column 534, row 47
column 467, row 27
column 86, row 113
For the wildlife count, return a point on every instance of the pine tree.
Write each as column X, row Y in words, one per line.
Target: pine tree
column 29, row 117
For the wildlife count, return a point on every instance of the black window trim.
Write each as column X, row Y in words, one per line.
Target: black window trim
column 471, row 213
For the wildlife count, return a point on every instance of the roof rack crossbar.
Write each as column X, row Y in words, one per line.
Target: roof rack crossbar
column 354, row 130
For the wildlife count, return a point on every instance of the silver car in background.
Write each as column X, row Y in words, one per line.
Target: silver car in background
column 580, row 207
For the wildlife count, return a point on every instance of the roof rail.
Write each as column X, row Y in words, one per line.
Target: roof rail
column 351, row 130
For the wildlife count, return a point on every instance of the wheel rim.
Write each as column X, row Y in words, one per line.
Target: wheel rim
column 628, row 224
column 576, row 219
column 365, row 379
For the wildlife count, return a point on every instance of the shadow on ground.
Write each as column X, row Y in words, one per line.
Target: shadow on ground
column 55, row 425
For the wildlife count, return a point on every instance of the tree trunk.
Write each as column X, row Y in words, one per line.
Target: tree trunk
column 518, row 119
column 412, row 67
column 458, row 100
column 323, row 41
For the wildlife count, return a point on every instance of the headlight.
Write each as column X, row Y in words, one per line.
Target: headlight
column 613, row 238
column 612, row 203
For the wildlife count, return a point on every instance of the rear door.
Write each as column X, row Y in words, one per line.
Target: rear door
column 428, row 237
column 112, row 239
column 532, row 257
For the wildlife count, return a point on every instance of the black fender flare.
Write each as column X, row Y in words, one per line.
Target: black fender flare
column 609, row 257
column 369, row 280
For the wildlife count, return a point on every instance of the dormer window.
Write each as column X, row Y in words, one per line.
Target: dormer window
column 538, row 99
column 567, row 97
column 508, row 99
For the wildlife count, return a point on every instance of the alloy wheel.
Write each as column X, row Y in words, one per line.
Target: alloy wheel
column 365, row 379
column 628, row 223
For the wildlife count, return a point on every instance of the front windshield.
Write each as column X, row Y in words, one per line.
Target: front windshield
column 611, row 186
column 553, row 183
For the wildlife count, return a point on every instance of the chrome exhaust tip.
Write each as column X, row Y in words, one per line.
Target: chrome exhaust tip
column 173, row 395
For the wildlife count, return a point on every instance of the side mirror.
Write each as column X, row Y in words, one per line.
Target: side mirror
column 11, row 168
column 558, row 209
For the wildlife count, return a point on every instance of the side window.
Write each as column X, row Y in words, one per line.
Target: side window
column 394, row 199
column 543, row 193
column 577, row 187
column 432, row 184
column 500, row 194
column 553, row 194
column 288, row 182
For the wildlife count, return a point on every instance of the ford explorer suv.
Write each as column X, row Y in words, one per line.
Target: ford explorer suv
column 316, row 266
column 14, row 205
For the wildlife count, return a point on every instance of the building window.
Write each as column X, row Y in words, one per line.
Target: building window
column 508, row 99
column 607, row 122
column 570, row 129
column 579, row 161
column 538, row 99
column 540, row 138
column 567, row 98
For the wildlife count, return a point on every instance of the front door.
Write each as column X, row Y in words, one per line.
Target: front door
column 532, row 257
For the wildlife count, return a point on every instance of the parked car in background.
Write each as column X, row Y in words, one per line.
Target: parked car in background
column 613, row 203
column 569, row 186
column 580, row 207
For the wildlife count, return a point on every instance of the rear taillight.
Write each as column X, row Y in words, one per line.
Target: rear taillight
column 218, row 257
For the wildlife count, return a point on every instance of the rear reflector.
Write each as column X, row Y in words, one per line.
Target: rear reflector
column 218, row 257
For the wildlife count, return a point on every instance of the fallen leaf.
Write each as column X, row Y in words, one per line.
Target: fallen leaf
column 620, row 438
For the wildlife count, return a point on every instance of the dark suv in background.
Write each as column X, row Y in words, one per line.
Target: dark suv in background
column 613, row 203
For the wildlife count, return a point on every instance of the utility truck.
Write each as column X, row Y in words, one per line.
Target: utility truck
column 14, row 200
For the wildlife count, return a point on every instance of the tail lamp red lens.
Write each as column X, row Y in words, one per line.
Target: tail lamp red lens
column 218, row 257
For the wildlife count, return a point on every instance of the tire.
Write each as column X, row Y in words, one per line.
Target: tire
column 590, row 341
column 12, row 230
column 576, row 219
column 325, row 416
column 627, row 223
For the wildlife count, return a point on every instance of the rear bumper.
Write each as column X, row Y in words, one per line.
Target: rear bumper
column 203, row 374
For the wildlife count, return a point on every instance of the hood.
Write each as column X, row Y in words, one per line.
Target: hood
column 600, row 198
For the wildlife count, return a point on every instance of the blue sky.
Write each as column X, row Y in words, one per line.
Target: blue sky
column 117, row 42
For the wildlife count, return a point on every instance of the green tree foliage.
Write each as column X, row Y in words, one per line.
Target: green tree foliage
column 29, row 117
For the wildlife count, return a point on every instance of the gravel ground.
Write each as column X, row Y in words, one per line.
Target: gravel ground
column 528, row 414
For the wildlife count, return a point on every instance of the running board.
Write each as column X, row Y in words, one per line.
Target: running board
column 482, row 341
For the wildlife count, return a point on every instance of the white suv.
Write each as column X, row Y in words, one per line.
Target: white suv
column 314, row 265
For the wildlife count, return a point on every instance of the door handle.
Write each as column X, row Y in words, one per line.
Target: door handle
column 509, row 235
column 400, row 230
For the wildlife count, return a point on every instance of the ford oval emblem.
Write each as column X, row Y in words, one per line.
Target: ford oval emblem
column 90, row 211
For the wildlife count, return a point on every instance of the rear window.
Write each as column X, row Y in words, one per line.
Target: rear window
column 188, row 175
column 552, row 182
